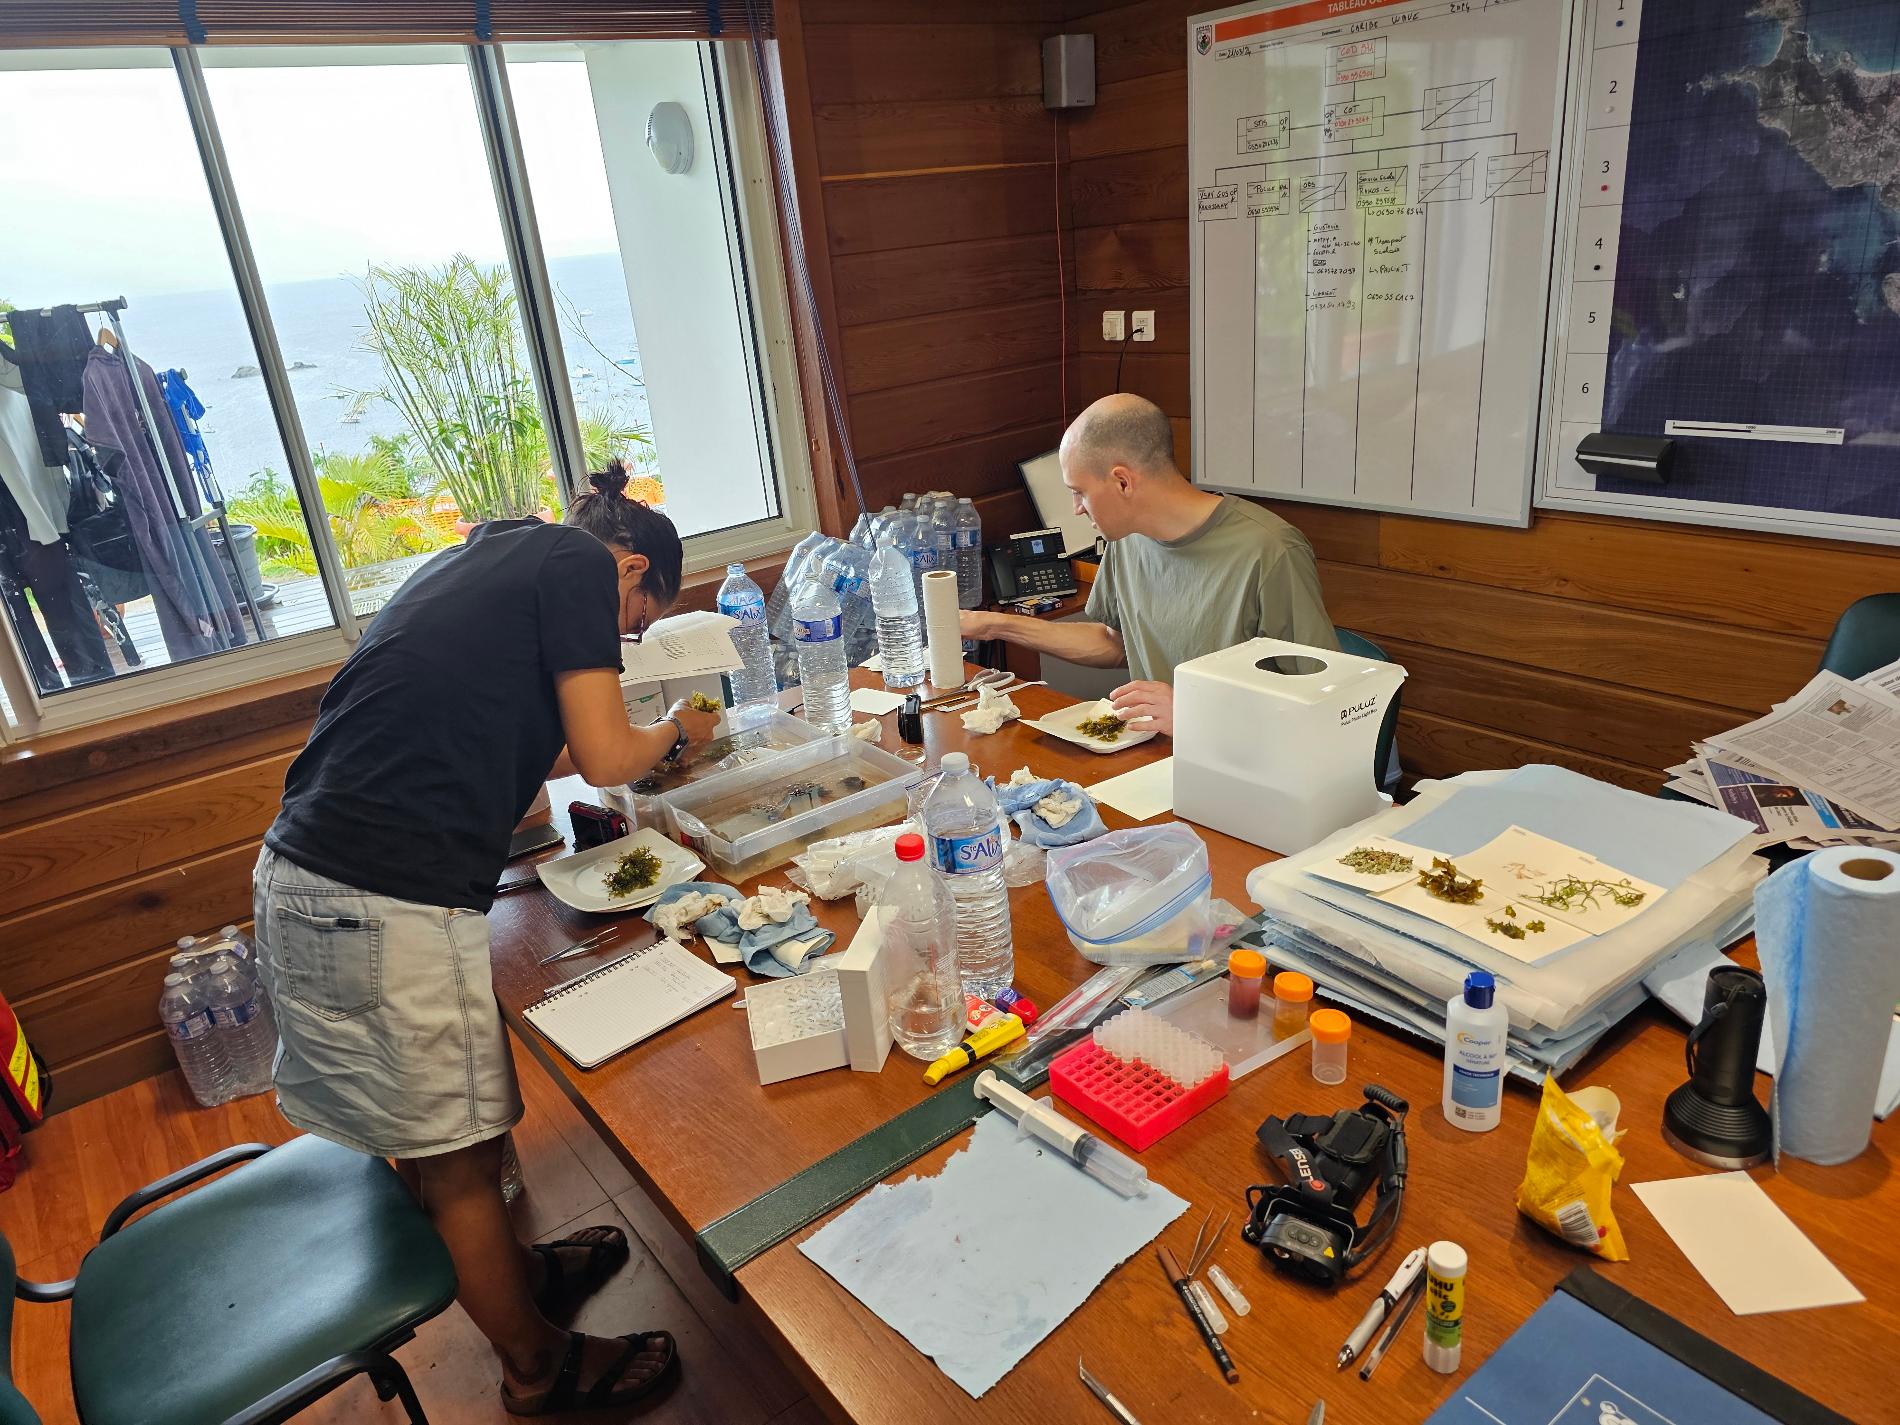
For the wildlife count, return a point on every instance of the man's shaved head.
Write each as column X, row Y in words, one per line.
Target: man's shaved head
column 1123, row 429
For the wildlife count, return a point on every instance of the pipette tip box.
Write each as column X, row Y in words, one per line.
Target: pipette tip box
column 1138, row 1104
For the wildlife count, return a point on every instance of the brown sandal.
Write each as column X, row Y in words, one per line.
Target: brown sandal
column 566, row 1392
column 607, row 1253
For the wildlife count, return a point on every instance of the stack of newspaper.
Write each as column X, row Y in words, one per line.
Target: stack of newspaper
column 1822, row 769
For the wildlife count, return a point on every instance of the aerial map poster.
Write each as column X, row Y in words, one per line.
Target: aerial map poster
column 1734, row 273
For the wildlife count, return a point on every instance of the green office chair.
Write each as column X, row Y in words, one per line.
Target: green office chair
column 1866, row 636
column 15, row 1409
column 1385, row 757
column 253, row 1296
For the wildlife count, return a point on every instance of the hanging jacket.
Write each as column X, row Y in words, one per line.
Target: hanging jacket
column 187, row 410
column 51, row 348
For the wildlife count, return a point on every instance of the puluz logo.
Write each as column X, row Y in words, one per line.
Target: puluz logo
column 1203, row 38
column 1358, row 710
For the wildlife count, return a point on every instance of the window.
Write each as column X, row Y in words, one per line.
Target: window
column 113, row 561
column 313, row 234
column 650, row 280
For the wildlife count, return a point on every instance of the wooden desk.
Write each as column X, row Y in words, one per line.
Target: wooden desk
column 686, row 1113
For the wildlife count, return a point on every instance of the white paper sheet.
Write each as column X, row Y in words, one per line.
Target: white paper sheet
column 1747, row 1248
column 975, row 1266
column 686, row 645
column 1145, row 792
column 1372, row 883
column 875, row 701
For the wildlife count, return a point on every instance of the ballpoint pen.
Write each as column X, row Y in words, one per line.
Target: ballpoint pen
column 1381, row 1308
column 1399, row 1318
column 1102, row 1393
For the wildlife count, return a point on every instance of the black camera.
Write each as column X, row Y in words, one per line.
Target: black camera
column 1307, row 1226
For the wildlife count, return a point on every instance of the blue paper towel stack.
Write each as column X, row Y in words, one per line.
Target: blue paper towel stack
column 1828, row 930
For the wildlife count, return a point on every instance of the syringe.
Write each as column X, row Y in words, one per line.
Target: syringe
column 1112, row 1169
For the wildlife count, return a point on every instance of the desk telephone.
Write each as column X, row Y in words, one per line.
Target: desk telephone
column 1029, row 566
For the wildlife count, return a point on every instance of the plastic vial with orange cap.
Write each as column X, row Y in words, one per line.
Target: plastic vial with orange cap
column 1292, row 997
column 1246, row 972
column 1331, row 1032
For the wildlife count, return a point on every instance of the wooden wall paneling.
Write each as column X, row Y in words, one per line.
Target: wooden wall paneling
column 923, row 12
column 858, row 64
column 1604, row 719
column 1641, row 650
column 72, row 854
column 946, row 276
column 137, row 1056
column 1132, row 255
column 914, row 418
column 1005, row 513
column 984, row 466
column 1136, row 40
column 1434, row 746
column 1338, row 535
column 82, row 934
column 1774, row 582
column 1169, row 304
column 82, row 1016
column 1149, row 186
column 1131, row 115
column 878, row 214
column 1162, row 377
column 814, row 325
column 912, row 350
column 903, row 137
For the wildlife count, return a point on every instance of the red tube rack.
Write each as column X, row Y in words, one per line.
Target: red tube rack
column 1136, row 1103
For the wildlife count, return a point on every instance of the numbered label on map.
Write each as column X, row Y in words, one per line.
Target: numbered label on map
column 1604, row 153
column 1590, row 316
column 1612, row 77
column 1619, row 22
column 1583, row 388
column 1598, row 231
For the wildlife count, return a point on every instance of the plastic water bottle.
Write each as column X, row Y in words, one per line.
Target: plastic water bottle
column 968, row 530
column 818, row 633
column 900, row 635
column 861, row 531
column 966, row 845
column 849, row 569
column 918, row 919
column 739, row 598
column 249, row 1036
column 195, row 1040
column 909, row 502
column 778, row 608
column 914, row 538
column 943, row 537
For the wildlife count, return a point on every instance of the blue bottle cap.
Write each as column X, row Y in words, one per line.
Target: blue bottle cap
column 1480, row 988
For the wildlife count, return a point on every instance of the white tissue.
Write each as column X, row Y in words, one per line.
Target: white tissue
column 867, row 731
column 992, row 710
column 1022, row 777
column 794, row 953
column 1058, row 808
column 675, row 919
column 773, row 905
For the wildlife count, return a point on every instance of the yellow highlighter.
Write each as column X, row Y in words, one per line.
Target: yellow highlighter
column 987, row 1040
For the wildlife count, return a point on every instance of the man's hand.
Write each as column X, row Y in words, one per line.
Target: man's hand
column 974, row 623
column 699, row 727
column 1146, row 707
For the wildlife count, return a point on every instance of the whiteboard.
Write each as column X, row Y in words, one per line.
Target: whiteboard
column 1373, row 201
column 1728, row 278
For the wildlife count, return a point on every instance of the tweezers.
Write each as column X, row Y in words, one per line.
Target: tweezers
column 579, row 947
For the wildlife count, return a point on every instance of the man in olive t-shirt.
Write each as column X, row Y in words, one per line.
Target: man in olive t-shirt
column 1186, row 572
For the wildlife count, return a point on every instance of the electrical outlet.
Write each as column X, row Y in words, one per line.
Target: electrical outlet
column 1144, row 326
column 1112, row 326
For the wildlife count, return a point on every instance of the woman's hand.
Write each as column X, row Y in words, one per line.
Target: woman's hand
column 698, row 726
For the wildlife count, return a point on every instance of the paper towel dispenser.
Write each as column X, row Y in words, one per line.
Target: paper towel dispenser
column 1274, row 741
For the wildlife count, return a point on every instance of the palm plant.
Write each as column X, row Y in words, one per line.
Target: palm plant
column 362, row 498
column 454, row 366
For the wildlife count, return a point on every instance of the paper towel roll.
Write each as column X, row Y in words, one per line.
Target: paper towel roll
column 1828, row 929
column 941, row 630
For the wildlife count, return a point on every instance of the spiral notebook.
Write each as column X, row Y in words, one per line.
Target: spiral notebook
column 627, row 1000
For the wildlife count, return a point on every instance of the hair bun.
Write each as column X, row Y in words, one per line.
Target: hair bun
column 611, row 481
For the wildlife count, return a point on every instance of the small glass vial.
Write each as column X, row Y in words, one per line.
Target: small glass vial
column 1331, row 1031
column 1246, row 972
column 1292, row 997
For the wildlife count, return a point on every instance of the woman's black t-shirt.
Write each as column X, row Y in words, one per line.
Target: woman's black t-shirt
column 434, row 737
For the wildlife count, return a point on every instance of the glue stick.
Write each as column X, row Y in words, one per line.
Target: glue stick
column 1445, row 1264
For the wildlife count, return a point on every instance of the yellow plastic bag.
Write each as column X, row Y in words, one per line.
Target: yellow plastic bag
column 1572, row 1164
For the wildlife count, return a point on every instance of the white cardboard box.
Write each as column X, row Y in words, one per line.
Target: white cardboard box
column 863, row 983
column 797, row 1026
